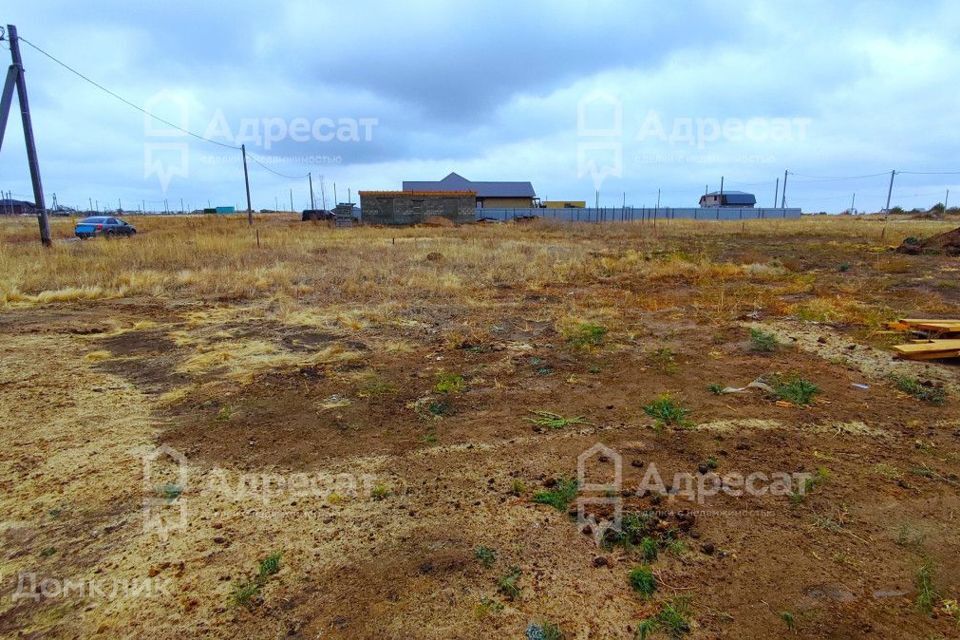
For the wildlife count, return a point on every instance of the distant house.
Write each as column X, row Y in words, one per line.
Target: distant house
column 737, row 199
column 415, row 207
column 10, row 206
column 564, row 204
column 508, row 195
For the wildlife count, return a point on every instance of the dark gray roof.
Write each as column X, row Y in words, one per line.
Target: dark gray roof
column 456, row 182
column 736, row 197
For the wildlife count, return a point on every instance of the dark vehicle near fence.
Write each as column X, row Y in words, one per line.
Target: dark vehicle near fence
column 103, row 226
column 317, row 214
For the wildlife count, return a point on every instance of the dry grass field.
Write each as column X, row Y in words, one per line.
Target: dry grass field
column 374, row 433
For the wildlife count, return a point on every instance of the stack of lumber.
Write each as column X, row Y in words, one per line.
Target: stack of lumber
column 942, row 338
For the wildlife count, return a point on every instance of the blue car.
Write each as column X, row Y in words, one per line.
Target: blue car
column 103, row 226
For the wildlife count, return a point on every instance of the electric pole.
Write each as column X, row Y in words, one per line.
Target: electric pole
column 310, row 177
column 776, row 192
column 15, row 79
column 783, row 200
column 893, row 172
column 291, row 201
column 246, row 180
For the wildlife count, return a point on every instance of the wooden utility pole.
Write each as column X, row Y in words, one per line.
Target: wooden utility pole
column 15, row 79
column 890, row 189
column 246, row 180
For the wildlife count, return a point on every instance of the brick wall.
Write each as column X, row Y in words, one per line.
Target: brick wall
column 402, row 208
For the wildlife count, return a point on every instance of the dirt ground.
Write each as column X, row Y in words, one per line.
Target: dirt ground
column 347, row 445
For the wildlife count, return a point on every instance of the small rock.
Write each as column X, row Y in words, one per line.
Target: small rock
column 639, row 463
column 708, row 548
column 600, row 561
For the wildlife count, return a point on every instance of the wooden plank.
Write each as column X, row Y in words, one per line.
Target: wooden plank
column 928, row 320
column 938, row 328
column 928, row 346
column 934, row 355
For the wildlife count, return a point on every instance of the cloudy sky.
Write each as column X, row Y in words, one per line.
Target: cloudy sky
column 621, row 97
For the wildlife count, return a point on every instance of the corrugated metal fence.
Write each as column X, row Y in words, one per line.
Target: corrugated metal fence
column 639, row 214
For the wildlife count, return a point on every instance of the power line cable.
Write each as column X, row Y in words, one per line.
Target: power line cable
column 124, row 100
column 277, row 173
column 834, row 178
column 930, row 173
column 153, row 115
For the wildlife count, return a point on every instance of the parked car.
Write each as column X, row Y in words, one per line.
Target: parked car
column 317, row 214
column 103, row 226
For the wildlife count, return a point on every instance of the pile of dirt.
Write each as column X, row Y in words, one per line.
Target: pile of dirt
column 947, row 243
column 438, row 221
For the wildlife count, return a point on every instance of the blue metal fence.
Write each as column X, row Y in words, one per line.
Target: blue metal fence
column 639, row 214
